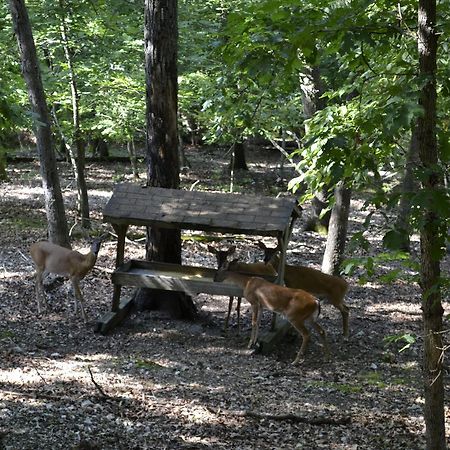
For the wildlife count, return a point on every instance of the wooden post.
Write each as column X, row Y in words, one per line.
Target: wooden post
column 121, row 231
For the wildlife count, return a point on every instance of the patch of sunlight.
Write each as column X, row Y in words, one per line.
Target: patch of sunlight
column 197, row 414
column 96, row 192
column 201, row 441
column 67, row 369
column 24, row 192
column 404, row 307
column 19, row 376
column 4, row 274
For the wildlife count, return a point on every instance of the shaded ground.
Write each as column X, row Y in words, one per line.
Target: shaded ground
column 165, row 384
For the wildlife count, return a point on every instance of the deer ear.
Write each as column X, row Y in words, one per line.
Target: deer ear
column 261, row 245
column 231, row 250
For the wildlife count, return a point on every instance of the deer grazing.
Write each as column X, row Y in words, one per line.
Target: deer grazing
column 296, row 305
column 52, row 258
column 247, row 268
column 313, row 281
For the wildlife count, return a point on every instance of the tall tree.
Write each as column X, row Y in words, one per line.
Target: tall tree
column 312, row 89
column 408, row 187
column 337, row 231
column 78, row 157
column 432, row 230
column 54, row 205
column 160, row 40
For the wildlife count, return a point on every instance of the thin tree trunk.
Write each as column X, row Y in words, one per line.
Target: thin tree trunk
column 431, row 233
column 312, row 90
column 161, row 40
column 133, row 159
column 58, row 232
column 79, row 159
column 337, row 233
column 408, row 187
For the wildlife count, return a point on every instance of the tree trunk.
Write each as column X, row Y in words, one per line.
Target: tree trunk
column 58, row 232
column 238, row 161
column 432, row 233
column 133, row 159
column 408, row 187
column 100, row 148
column 78, row 159
column 337, row 233
column 161, row 40
column 312, row 90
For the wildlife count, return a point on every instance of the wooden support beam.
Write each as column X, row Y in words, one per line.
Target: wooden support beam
column 121, row 231
column 269, row 340
column 114, row 318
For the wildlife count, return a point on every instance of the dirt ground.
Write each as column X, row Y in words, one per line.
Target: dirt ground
column 158, row 383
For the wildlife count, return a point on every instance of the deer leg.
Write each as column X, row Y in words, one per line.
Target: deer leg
column 39, row 289
column 238, row 310
column 256, row 319
column 78, row 297
column 339, row 304
column 227, row 319
column 323, row 338
column 343, row 308
column 345, row 314
column 305, row 339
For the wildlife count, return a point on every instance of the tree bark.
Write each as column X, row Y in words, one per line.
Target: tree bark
column 131, row 148
column 58, row 232
column 432, row 231
column 78, row 159
column 408, row 187
column 238, row 161
column 312, row 90
column 161, row 40
column 337, row 232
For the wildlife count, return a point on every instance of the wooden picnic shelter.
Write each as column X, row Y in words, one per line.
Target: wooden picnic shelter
column 133, row 204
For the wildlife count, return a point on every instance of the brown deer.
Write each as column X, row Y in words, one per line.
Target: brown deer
column 296, row 305
column 52, row 258
column 247, row 268
column 313, row 281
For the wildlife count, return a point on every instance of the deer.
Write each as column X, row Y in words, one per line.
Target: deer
column 314, row 281
column 52, row 258
column 258, row 268
column 298, row 306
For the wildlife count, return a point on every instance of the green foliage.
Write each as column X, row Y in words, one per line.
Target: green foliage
column 406, row 339
column 367, row 268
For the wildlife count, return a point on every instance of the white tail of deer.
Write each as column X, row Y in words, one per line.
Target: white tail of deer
column 298, row 306
column 247, row 268
column 313, row 281
column 52, row 258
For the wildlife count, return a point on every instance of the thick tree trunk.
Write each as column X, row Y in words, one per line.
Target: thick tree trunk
column 238, row 161
column 78, row 159
column 337, row 233
column 161, row 38
column 431, row 233
column 58, row 232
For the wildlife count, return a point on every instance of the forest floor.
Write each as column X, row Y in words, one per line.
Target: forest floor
column 158, row 383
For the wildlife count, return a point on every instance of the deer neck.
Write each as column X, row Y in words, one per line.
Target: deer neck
column 89, row 260
column 237, row 278
column 275, row 261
